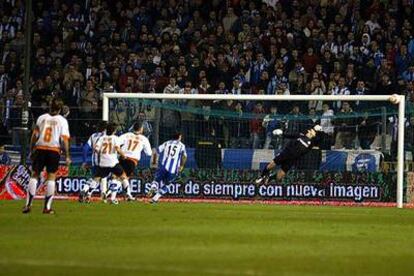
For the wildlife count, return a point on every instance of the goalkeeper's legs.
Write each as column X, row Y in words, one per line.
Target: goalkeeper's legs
column 280, row 175
column 265, row 175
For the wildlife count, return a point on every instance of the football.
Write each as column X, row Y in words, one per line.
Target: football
column 395, row 99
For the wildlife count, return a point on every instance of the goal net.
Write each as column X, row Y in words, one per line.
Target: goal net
column 230, row 138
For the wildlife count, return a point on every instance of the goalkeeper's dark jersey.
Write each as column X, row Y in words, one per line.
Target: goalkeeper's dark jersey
column 295, row 149
column 300, row 145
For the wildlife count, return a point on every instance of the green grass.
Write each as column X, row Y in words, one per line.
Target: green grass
column 205, row 239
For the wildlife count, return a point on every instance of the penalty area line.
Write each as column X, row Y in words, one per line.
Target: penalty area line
column 138, row 268
column 263, row 202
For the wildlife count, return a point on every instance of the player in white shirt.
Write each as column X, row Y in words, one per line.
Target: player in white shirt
column 45, row 147
column 173, row 157
column 90, row 145
column 107, row 148
column 133, row 143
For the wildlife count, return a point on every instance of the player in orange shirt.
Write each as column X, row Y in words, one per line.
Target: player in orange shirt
column 45, row 147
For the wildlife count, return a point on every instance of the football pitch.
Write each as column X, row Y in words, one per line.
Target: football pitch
column 205, row 239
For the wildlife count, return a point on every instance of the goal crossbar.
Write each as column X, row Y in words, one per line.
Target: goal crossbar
column 255, row 97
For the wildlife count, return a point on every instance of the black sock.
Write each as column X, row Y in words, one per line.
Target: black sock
column 90, row 191
column 29, row 204
column 265, row 171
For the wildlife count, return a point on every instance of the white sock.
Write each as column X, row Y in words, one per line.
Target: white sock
column 125, row 186
column 31, row 191
column 157, row 197
column 154, row 186
column 104, row 185
column 115, row 187
column 90, row 185
column 85, row 187
column 113, row 195
column 50, row 186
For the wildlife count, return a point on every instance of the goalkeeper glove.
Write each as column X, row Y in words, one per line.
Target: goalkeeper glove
column 317, row 128
column 277, row 132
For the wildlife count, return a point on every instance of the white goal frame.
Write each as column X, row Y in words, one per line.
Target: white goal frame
column 378, row 98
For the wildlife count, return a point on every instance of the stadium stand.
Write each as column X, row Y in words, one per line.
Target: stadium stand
column 82, row 49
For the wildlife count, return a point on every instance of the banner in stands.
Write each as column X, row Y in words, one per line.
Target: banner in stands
column 225, row 184
column 354, row 161
column 249, row 159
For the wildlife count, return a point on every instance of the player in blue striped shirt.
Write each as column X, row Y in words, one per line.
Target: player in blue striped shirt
column 173, row 157
column 87, row 147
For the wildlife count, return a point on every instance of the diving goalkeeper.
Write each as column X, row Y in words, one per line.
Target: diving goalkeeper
column 295, row 149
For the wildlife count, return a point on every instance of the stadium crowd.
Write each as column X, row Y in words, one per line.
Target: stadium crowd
column 82, row 49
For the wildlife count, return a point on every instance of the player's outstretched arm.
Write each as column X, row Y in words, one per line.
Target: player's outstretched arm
column 280, row 132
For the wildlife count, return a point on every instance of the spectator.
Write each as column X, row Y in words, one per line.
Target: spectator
column 259, row 66
column 3, row 80
column 402, row 60
column 170, row 119
column 172, row 87
column 88, row 98
column 317, row 87
column 256, row 128
column 263, row 82
column 409, row 93
column 345, row 127
column 7, row 29
column 310, row 60
column 295, row 123
column 222, row 88
column 276, row 80
column 326, row 121
column 297, row 71
column 229, row 19
column 139, row 46
column 71, row 75
column 385, row 86
column 239, row 127
column 367, row 130
column 236, row 89
column 360, row 90
column 408, row 75
column 15, row 120
column 271, row 122
column 188, row 119
column 340, row 89
column 393, row 120
column 409, row 137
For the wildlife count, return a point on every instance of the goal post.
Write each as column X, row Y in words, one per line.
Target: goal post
column 255, row 97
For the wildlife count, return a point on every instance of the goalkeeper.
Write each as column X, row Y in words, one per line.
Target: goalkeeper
column 295, row 149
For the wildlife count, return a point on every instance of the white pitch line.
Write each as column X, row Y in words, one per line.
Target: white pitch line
column 140, row 267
